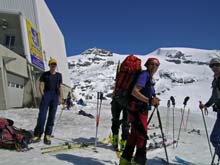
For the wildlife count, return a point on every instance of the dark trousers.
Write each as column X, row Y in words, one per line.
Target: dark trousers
column 49, row 100
column 116, row 110
column 215, row 135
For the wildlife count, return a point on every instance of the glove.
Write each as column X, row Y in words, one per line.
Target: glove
column 155, row 101
column 202, row 106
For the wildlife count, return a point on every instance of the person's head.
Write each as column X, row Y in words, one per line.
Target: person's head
column 152, row 65
column 52, row 64
column 215, row 65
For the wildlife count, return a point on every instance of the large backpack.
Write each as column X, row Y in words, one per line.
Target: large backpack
column 12, row 137
column 126, row 78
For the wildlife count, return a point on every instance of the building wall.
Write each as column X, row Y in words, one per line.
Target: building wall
column 12, row 65
column 17, row 64
column 25, row 6
column 53, row 45
column 2, row 85
column 13, row 30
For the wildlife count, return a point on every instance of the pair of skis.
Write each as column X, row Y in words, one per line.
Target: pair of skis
column 65, row 147
column 72, row 146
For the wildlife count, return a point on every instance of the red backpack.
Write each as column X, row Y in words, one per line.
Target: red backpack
column 12, row 137
column 126, row 79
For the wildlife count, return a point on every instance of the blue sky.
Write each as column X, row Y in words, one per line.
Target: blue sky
column 137, row 26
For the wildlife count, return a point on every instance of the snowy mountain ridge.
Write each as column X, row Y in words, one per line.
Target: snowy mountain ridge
column 183, row 72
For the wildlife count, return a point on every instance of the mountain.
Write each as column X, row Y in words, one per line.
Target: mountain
column 183, row 72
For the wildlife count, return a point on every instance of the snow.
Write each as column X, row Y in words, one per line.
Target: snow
column 183, row 72
column 71, row 127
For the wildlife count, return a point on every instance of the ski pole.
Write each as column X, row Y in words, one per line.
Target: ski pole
column 206, row 129
column 213, row 159
column 187, row 119
column 161, row 129
column 57, row 122
column 184, row 103
column 167, row 117
column 173, row 103
column 97, row 117
column 100, row 104
column 151, row 115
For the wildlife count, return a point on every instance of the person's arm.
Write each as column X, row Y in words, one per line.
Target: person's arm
column 60, row 90
column 42, row 84
column 41, row 88
column 137, row 94
column 60, row 94
column 210, row 101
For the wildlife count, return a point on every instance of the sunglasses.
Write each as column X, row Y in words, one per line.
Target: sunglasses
column 53, row 64
column 212, row 65
column 154, row 64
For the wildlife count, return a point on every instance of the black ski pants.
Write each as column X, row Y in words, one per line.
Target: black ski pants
column 215, row 135
column 116, row 110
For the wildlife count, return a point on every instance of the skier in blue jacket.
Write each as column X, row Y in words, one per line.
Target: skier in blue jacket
column 214, row 101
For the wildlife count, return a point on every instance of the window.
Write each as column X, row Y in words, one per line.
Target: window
column 12, row 84
column 9, row 41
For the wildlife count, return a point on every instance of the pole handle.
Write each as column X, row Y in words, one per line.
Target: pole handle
column 172, row 100
column 186, row 100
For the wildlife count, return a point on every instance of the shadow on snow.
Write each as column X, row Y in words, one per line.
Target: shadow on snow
column 77, row 160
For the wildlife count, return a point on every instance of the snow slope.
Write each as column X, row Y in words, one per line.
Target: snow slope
column 183, row 72
column 72, row 127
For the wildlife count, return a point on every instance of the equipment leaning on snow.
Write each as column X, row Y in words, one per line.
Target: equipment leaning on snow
column 151, row 115
column 161, row 129
column 162, row 133
column 99, row 104
column 57, row 122
column 213, row 160
column 173, row 104
column 167, row 118
column 182, row 116
column 12, row 137
column 183, row 161
column 65, row 147
column 187, row 119
column 206, row 129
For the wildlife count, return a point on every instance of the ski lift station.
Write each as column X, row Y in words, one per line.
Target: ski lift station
column 29, row 37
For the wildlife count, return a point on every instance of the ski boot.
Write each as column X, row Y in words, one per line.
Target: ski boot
column 36, row 139
column 122, row 144
column 115, row 142
column 47, row 140
column 123, row 161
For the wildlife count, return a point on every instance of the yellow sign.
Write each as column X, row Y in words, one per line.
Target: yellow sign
column 35, row 46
